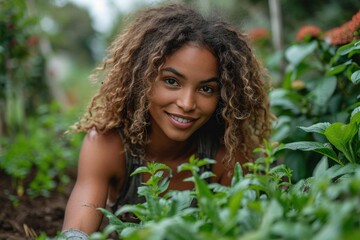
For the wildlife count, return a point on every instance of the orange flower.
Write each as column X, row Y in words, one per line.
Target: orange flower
column 308, row 31
column 258, row 34
column 345, row 33
column 297, row 85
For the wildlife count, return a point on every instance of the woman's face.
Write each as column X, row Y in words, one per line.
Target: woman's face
column 185, row 95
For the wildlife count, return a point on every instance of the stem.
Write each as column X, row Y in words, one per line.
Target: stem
column 352, row 154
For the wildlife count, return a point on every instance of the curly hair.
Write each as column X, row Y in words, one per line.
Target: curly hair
column 134, row 60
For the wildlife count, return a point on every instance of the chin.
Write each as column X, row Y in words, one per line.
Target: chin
column 179, row 138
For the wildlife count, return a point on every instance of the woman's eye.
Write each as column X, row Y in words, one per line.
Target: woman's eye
column 171, row 81
column 207, row 89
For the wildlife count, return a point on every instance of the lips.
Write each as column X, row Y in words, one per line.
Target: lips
column 181, row 121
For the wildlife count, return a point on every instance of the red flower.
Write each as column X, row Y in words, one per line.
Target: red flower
column 32, row 41
column 308, row 31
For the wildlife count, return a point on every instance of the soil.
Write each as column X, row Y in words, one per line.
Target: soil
column 32, row 216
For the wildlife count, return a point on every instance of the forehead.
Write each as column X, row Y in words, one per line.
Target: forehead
column 193, row 60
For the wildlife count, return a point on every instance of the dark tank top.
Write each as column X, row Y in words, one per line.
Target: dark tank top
column 207, row 148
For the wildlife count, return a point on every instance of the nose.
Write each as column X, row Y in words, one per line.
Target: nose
column 186, row 100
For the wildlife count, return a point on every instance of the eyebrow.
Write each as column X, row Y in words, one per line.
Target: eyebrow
column 177, row 73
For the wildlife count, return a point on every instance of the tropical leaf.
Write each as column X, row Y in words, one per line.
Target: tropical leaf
column 314, row 146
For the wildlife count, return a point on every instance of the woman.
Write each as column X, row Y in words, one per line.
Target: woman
column 174, row 85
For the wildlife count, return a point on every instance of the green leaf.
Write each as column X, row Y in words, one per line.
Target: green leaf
column 340, row 135
column 317, row 128
column 285, row 99
column 337, row 170
column 296, row 53
column 180, row 230
column 281, row 171
column 307, row 146
column 179, row 200
column 351, row 69
column 143, row 190
column 238, row 174
column 206, row 200
column 353, row 113
column 205, row 175
column 313, row 146
column 285, row 104
column 339, row 68
column 355, row 77
column 160, row 166
column 321, row 167
column 205, row 161
column 189, row 179
column 355, row 116
column 290, row 230
column 114, row 221
column 202, row 188
column 281, row 129
column 209, row 208
column 235, row 202
column 187, row 167
column 140, row 170
column 139, row 210
column 324, row 90
column 274, row 211
column 344, row 50
column 163, row 186
column 154, row 208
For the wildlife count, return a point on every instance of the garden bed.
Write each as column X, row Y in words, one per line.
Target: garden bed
column 40, row 214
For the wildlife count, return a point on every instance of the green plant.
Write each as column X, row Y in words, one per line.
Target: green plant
column 320, row 86
column 260, row 205
column 22, row 66
column 343, row 144
column 37, row 158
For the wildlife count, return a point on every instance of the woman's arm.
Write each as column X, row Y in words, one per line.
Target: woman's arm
column 100, row 159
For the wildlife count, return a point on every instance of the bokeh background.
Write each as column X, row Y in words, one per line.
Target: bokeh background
column 49, row 48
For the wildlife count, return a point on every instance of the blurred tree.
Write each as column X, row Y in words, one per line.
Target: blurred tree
column 68, row 28
column 31, row 33
column 70, row 45
column 21, row 66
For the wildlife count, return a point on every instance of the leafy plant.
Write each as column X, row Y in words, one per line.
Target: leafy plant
column 22, row 66
column 37, row 159
column 263, row 204
column 320, row 86
column 343, row 144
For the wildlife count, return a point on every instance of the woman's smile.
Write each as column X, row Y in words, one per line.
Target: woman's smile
column 181, row 122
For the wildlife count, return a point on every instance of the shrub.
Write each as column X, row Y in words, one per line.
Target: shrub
column 320, row 86
column 38, row 158
column 260, row 205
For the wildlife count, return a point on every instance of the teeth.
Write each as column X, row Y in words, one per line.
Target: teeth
column 181, row 120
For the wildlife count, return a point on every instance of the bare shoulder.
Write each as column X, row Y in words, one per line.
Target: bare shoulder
column 101, row 153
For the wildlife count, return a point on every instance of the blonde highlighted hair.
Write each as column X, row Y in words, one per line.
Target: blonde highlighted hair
column 134, row 60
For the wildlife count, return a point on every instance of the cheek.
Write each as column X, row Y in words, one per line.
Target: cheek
column 210, row 106
column 160, row 97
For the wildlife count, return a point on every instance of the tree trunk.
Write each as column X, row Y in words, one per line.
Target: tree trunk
column 276, row 24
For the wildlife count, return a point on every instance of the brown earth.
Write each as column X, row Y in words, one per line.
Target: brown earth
column 32, row 216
